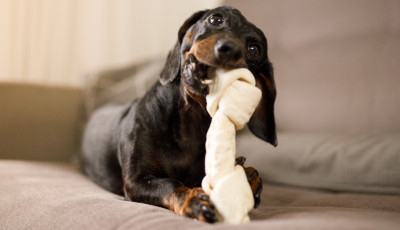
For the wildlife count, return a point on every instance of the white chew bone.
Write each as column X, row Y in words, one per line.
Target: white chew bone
column 231, row 101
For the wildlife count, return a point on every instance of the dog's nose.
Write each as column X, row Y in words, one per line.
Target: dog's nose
column 228, row 51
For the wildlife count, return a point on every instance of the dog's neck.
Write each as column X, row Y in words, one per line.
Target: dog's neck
column 193, row 117
column 175, row 97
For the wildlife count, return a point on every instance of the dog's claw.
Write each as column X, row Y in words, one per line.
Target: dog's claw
column 198, row 206
column 240, row 160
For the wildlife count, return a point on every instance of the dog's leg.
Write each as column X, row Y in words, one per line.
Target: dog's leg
column 254, row 180
column 171, row 194
column 145, row 180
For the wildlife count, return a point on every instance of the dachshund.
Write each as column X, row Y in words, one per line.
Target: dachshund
column 152, row 150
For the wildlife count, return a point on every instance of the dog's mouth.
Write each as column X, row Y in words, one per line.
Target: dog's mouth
column 200, row 68
column 201, row 71
column 204, row 71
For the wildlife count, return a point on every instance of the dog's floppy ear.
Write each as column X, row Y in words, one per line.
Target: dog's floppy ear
column 262, row 123
column 173, row 63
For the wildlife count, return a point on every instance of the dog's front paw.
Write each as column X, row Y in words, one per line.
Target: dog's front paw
column 198, row 205
column 254, row 180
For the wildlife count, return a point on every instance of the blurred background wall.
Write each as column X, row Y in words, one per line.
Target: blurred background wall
column 59, row 42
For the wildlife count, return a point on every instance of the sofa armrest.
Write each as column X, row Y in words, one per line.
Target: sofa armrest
column 39, row 122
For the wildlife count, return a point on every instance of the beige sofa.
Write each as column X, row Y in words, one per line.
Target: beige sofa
column 337, row 165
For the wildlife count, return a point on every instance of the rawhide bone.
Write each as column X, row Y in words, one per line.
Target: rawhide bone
column 231, row 101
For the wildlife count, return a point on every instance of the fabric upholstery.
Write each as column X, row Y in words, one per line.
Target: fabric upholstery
column 40, row 122
column 37, row 195
column 336, row 62
column 356, row 162
column 337, row 107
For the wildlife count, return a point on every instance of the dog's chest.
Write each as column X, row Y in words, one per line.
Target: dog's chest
column 185, row 161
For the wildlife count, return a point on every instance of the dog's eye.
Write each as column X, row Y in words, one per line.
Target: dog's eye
column 253, row 51
column 216, row 19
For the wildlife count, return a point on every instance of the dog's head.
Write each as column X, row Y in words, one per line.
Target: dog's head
column 222, row 37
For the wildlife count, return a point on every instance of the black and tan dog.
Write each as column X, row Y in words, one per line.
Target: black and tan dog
column 153, row 149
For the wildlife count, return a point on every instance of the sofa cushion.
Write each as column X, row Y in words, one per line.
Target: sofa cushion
column 337, row 109
column 336, row 62
column 356, row 162
column 57, row 196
